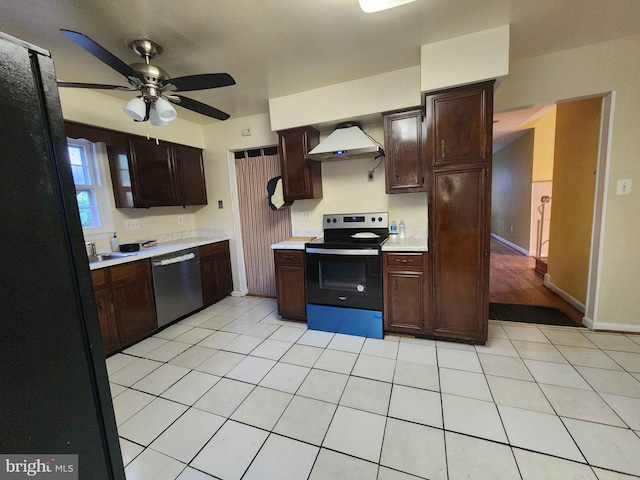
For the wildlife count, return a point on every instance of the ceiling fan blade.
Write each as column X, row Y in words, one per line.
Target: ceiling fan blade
column 202, row 81
column 201, row 108
column 97, row 86
column 100, row 53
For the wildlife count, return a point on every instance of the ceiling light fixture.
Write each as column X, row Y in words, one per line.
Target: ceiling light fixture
column 372, row 6
column 136, row 109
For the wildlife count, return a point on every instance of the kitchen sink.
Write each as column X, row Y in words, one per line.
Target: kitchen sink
column 108, row 256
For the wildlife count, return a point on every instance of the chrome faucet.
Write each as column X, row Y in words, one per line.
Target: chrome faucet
column 91, row 248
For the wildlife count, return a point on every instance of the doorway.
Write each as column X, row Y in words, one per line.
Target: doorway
column 571, row 285
column 260, row 226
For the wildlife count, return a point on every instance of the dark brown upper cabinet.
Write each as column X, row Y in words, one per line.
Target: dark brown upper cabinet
column 457, row 126
column 403, row 145
column 147, row 174
column 301, row 178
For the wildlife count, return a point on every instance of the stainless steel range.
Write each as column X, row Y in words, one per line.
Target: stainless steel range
column 344, row 274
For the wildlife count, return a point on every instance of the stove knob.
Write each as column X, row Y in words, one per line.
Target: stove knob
column 334, row 220
column 328, row 220
column 373, row 219
column 379, row 219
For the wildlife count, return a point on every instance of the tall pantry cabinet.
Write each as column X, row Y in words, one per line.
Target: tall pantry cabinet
column 459, row 143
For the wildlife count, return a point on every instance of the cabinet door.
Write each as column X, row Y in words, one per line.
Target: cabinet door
column 291, row 292
column 459, row 249
column 301, row 178
column 216, row 278
column 151, row 173
column 108, row 325
column 135, row 310
column 405, row 309
column 404, row 161
column 458, row 122
column 189, row 170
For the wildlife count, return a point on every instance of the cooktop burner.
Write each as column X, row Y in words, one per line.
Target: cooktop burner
column 359, row 230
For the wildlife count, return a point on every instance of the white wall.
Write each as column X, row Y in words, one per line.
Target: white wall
column 463, row 60
column 586, row 71
column 365, row 96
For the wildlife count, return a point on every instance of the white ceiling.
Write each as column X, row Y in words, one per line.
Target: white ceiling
column 280, row 47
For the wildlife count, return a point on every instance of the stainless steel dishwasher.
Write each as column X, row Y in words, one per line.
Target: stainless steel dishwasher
column 176, row 284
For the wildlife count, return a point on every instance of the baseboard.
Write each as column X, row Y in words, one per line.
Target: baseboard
column 562, row 294
column 239, row 294
column 587, row 322
column 615, row 327
column 509, row 244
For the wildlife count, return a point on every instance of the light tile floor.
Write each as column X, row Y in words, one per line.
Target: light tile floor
column 233, row 392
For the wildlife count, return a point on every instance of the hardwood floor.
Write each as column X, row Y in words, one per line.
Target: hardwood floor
column 512, row 279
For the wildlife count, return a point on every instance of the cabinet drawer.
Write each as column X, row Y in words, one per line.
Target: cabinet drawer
column 99, row 278
column 129, row 271
column 405, row 260
column 214, row 249
column 289, row 257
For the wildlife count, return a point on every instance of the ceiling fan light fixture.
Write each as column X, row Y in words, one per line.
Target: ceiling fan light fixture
column 154, row 119
column 165, row 110
column 136, row 109
column 372, row 6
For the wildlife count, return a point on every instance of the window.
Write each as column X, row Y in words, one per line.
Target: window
column 93, row 201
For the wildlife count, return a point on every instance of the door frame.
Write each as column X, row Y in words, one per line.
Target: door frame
column 590, row 318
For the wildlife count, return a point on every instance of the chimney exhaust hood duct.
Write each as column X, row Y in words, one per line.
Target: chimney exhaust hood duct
column 346, row 142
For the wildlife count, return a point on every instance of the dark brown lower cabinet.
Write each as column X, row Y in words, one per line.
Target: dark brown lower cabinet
column 290, row 284
column 215, row 265
column 126, row 309
column 406, row 293
column 459, row 252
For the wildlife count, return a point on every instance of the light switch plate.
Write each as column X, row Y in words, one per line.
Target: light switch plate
column 623, row 187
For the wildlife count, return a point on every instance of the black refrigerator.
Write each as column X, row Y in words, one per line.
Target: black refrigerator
column 54, row 390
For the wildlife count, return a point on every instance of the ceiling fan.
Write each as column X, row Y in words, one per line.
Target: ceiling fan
column 156, row 89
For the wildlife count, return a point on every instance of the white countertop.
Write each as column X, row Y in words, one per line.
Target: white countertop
column 288, row 245
column 160, row 249
column 393, row 244
column 408, row 244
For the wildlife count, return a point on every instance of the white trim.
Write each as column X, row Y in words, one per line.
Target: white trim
column 587, row 322
column 103, row 189
column 615, row 327
column 564, row 295
column 243, row 293
column 600, row 209
column 512, row 245
column 237, row 225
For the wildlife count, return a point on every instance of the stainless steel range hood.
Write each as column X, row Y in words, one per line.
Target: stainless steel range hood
column 347, row 141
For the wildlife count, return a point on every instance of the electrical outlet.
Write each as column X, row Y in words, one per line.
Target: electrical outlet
column 370, row 175
column 180, row 219
column 623, row 187
column 304, row 216
column 132, row 224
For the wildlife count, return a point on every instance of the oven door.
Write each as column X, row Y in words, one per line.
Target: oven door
column 344, row 277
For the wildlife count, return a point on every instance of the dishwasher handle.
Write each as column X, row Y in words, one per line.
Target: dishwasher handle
column 172, row 260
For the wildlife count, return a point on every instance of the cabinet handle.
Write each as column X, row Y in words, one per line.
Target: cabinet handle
column 443, row 149
column 287, row 257
column 404, row 260
column 124, row 300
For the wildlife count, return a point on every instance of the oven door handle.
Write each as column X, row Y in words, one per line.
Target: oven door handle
column 345, row 251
